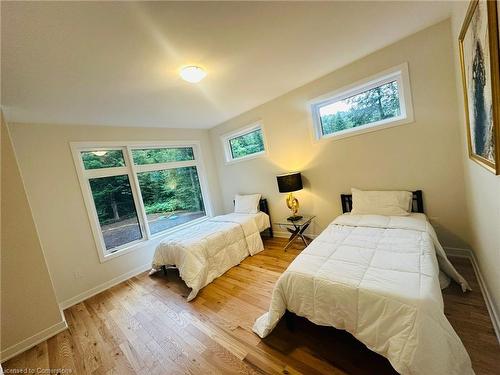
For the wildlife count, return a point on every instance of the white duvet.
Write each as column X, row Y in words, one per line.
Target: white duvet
column 205, row 251
column 376, row 277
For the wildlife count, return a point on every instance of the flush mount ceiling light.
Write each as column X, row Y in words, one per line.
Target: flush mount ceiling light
column 99, row 153
column 192, row 74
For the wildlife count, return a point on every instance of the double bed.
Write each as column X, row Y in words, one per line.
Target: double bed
column 377, row 277
column 205, row 251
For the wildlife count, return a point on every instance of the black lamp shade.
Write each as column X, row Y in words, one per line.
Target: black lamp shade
column 289, row 182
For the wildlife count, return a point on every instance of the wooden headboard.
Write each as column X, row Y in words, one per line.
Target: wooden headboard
column 263, row 206
column 417, row 203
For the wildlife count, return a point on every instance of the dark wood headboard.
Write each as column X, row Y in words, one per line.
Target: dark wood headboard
column 263, row 206
column 417, row 203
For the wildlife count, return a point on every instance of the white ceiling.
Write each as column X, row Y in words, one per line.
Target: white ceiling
column 116, row 63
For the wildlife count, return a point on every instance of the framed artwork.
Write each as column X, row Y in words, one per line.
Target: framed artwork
column 479, row 45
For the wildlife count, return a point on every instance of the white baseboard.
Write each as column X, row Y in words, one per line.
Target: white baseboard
column 467, row 253
column 281, row 234
column 102, row 287
column 47, row 333
column 30, row 342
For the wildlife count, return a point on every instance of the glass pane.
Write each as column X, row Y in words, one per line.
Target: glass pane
column 373, row 105
column 102, row 159
column 247, row 144
column 115, row 208
column 171, row 197
column 162, row 155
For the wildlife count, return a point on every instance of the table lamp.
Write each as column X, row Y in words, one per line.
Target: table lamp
column 287, row 183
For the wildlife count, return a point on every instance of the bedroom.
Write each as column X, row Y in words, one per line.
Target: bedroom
column 99, row 77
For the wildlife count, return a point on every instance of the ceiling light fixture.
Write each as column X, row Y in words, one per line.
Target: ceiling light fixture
column 99, row 153
column 192, row 73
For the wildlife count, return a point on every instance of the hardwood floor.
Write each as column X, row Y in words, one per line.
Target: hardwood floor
column 145, row 326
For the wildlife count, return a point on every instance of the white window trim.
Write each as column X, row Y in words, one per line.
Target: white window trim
column 131, row 170
column 225, row 138
column 399, row 73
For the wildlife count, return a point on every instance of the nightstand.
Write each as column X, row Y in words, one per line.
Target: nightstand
column 296, row 228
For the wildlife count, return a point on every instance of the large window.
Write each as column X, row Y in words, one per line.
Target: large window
column 137, row 192
column 171, row 197
column 244, row 143
column 372, row 104
column 115, row 208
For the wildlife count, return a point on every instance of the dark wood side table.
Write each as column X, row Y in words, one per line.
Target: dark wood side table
column 296, row 228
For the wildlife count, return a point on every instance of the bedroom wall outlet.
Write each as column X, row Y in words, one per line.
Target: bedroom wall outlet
column 77, row 274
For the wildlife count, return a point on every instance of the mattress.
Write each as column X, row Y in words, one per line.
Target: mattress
column 376, row 277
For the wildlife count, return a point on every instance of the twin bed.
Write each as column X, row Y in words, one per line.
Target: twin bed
column 205, row 251
column 375, row 276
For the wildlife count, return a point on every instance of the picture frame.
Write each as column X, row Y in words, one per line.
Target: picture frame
column 479, row 59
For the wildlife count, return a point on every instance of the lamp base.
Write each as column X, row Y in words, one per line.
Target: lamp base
column 294, row 218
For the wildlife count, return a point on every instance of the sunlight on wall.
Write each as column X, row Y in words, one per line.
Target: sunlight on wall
column 301, row 160
column 295, row 159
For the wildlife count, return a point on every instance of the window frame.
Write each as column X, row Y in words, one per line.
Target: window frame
column 227, row 137
column 131, row 170
column 399, row 73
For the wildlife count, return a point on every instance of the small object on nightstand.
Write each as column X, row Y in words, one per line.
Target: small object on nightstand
column 296, row 228
column 287, row 183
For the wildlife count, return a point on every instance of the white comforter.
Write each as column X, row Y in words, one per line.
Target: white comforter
column 205, row 251
column 377, row 278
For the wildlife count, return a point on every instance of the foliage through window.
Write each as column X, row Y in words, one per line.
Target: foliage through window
column 142, row 192
column 171, row 197
column 377, row 102
column 103, row 159
column 373, row 105
column 162, row 155
column 244, row 143
column 116, row 211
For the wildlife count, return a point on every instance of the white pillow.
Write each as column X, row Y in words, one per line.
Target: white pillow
column 389, row 203
column 246, row 204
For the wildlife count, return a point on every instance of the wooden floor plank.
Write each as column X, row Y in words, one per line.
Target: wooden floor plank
column 145, row 326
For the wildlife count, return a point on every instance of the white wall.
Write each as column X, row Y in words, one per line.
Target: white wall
column 482, row 188
column 55, row 196
column 29, row 309
column 425, row 154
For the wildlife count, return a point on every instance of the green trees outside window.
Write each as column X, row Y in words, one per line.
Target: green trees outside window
column 171, row 193
column 162, row 155
column 102, row 159
column 247, row 144
column 373, row 105
column 115, row 208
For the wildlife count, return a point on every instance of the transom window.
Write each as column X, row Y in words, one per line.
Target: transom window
column 134, row 193
column 244, row 143
column 372, row 104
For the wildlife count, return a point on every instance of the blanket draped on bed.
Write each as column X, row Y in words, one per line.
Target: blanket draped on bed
column 376, row 277
column 205, row 251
